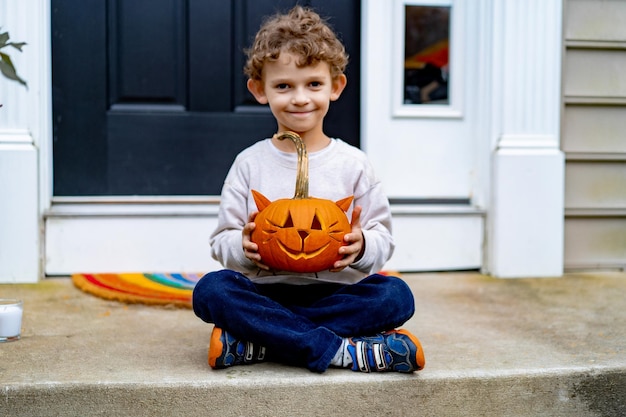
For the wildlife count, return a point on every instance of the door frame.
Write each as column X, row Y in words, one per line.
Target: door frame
column 128, row 229
column 520, row 149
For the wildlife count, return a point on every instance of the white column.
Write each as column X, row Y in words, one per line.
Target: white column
column 24, row 140
column 525, row 220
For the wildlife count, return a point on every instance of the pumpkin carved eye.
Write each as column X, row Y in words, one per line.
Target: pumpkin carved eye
column 316, row 225
column 289, row 221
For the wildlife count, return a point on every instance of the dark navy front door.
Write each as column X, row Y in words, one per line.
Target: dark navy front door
column 149, row 97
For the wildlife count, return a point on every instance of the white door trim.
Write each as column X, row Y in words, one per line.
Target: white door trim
column 526, row 214
column 25, row 141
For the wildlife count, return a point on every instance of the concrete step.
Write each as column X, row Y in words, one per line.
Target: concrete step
column 526, row 347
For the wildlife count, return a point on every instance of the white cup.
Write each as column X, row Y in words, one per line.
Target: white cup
column 10, row 319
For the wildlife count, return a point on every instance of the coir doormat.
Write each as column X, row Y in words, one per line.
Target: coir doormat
column 145, row 288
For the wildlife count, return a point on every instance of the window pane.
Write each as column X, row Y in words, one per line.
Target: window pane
column 426, row 54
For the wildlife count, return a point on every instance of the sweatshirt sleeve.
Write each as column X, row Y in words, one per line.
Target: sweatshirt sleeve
column 375, row 225
column 226, row 240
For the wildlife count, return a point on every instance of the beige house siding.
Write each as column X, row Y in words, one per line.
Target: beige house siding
column 594, row 133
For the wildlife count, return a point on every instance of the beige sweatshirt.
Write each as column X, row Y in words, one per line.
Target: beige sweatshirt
column 335, row 172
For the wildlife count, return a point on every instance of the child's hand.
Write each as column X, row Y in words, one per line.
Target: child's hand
column 355, row 243
column 251, row 249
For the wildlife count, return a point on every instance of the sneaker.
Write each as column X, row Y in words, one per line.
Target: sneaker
column 395, row 350
column 225, row 351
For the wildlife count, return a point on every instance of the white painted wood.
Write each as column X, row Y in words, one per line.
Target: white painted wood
column 129, row 238
column 25, row 140
column 101, row 236
column 415, row 157
column 19, row 224
column 25, row 111
column 527, row 68
column 525, row 218
column 428, row 152
column 437, row 242
column 12, row 95
column 129, row 244
column 8, row 135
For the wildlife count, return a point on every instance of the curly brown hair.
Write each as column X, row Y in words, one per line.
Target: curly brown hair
column 301, row 32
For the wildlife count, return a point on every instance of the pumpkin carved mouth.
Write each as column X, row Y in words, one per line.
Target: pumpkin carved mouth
column 301, row 254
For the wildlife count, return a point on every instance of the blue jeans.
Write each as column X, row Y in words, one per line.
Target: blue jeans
column 301, row 325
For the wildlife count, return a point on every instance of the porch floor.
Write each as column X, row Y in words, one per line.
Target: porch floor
column 524, row 347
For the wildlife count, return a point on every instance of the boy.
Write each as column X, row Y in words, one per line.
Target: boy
column 343, row 317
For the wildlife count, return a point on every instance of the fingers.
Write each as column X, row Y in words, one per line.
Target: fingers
column 251, row 249
column 356, row 217
column 347, row 260
column 351, row 252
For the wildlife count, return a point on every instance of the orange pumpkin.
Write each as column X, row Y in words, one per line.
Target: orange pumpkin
column 302, row 234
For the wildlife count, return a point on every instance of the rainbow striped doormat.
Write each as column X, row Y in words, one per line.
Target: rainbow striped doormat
column 156, row 289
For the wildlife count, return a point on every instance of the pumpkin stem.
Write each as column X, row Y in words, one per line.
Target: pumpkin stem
column 302, row 176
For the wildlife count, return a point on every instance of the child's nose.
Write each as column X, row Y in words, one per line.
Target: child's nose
column 300, row 97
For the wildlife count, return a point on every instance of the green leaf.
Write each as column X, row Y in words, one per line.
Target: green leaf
column 6, row 65
column 8, row 70
column 4, row 38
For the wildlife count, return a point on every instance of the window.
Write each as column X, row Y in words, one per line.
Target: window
column 427, row 60
column 426, row 54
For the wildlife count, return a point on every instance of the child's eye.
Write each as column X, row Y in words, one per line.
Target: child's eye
column 316, row 84
column 282, row 86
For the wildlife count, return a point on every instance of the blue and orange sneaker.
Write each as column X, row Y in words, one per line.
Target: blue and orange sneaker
column 394, row 350
column 225, row 350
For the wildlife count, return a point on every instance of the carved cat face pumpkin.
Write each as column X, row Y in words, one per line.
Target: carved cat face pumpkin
column 300, row 235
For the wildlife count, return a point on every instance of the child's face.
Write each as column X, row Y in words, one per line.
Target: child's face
column 298, row 97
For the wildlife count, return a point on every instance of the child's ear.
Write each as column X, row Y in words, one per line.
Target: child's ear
column 339, row 84
column 257, row 90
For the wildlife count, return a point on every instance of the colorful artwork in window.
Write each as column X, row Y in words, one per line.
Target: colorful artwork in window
column 426, row 54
